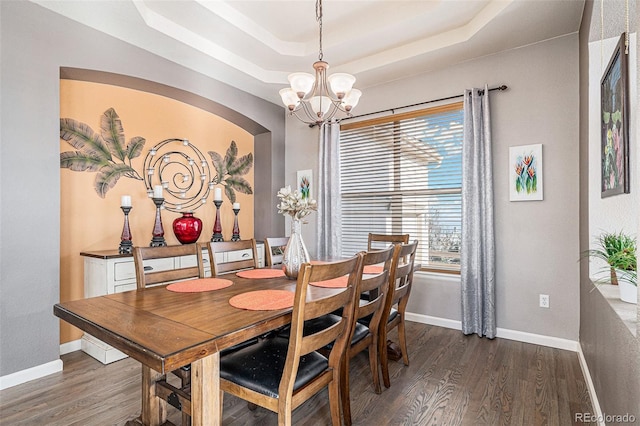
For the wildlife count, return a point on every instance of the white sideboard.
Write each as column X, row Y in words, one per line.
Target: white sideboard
column 108, row 272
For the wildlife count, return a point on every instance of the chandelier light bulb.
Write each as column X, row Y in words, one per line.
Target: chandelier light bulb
column 289, row 98
column 301, row 83
column 351, row 100
column 341, row 83
column 320, row 105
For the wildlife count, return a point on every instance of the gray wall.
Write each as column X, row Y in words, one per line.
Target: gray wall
column 35, row 44
column 537, row 241
column 610, row 349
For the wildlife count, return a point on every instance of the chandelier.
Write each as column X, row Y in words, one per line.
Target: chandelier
column 316, row 99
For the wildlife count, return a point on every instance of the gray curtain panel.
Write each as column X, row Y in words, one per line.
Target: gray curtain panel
column 477, row 272
column 329, row 229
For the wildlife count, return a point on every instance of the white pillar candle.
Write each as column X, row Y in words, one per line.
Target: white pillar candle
column 157, row 191
column 236, row 206
column 125, row 201
column 217, row 194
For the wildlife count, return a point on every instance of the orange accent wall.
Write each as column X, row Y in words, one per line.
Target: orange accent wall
column 89, row 222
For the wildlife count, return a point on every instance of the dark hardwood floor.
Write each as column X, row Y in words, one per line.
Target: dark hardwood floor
column 452, row 380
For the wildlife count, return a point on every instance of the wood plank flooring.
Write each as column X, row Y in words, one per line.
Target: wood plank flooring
column 452, row 380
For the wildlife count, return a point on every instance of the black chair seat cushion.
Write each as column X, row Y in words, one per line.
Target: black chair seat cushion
column 259, row 367
column 325, row 321
column 366, row 320
column 228, row 351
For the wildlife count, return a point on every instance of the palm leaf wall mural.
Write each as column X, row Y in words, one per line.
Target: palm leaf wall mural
column 104, row 152
column 230, row 169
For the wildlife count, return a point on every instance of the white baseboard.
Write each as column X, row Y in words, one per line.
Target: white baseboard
column 29, row 374
column 74, row 345
column 503, row 333
column 590, row 387
column 538, row 339
column 440, row 322
column 39, row 371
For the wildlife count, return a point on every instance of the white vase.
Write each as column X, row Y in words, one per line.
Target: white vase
column 628, row 291
column 295, row 253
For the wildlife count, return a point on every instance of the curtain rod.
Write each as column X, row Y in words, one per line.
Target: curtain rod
column 393, row 110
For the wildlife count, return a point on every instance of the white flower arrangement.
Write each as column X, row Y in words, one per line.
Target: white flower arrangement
column 293, row 203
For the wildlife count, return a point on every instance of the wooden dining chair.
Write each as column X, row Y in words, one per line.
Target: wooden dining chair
column 240, row 255
column 393, row 314
column 274, row 250
column 363, row 336
column 377, row 241
column 279, row 373
column 146, row 275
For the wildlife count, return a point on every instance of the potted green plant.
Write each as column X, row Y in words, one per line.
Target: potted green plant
column 625, row 264
column 618, row 250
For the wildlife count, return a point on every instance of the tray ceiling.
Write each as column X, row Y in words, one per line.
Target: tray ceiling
column 254, row 45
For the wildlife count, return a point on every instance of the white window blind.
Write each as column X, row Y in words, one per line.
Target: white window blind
column 403, row 174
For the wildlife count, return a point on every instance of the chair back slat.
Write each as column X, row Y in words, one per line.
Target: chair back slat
column 321, row 338
column 317, row 309
column 382, row 240
column 151, row 276
column 172, row 275
column 235, row 266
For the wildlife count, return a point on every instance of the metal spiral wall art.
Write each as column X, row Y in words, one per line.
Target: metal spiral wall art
column 182, row 170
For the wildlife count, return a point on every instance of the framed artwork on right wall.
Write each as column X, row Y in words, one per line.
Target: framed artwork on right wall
column 614, row 123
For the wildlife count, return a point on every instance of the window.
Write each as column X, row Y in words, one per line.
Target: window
column 403, row 174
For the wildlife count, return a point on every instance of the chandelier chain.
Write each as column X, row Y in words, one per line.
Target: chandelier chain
column 319, row 19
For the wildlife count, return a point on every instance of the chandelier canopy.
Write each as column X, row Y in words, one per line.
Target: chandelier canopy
column 316, row 99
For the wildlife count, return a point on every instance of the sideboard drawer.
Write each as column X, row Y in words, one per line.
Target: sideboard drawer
column 125, row 270
column 234, row 256
column 125, row 287
column 191, row 261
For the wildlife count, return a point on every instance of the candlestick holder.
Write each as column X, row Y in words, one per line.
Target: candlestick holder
column 126, row 245
column 217, row 226
column 158, row 230
column 236, row 228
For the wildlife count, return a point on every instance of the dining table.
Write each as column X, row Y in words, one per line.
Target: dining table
column 165, row 330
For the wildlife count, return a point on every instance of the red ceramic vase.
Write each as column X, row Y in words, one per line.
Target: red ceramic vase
column 187, row 228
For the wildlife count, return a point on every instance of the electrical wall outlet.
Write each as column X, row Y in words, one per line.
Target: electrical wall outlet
column 544, row 300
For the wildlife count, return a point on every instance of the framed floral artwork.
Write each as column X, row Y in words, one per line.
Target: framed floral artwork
column 525, row 173
column 614, row 123
column 305, row 183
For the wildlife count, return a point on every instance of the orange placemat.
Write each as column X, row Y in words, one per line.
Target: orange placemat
column 373, row 269
column 263, row 300
column 261, row 273
column 201, row 284
column 334, row 283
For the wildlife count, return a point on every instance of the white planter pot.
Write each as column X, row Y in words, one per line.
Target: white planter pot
column 628, row 291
